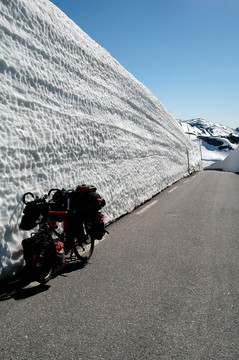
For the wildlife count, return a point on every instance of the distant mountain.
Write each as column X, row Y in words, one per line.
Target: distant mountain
column 216, row 141
column 220, row 136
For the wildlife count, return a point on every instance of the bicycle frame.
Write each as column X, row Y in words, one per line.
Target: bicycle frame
column 68, row 238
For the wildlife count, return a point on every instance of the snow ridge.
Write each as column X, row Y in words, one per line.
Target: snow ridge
column 71, row 114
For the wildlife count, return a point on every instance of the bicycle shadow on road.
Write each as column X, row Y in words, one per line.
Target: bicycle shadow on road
column 19, row 287
column 22, row 285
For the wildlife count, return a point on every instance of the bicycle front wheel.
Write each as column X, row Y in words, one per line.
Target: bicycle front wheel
column 83, row 249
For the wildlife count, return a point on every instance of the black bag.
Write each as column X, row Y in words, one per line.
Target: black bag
column 85, row 200
column 85, row 204
column 35, row 212
column 96, row 227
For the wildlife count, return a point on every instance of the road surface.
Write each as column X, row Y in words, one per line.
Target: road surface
column 162, row 285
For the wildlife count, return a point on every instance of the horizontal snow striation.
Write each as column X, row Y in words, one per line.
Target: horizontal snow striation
column 70, row 113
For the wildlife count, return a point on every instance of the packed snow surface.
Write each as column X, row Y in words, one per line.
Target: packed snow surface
column 230, row 163
column 71, row 114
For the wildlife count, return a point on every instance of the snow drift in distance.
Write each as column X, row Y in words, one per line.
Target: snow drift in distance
column 230, row 163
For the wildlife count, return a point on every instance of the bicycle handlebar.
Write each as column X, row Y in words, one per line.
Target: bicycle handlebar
column 61, row 192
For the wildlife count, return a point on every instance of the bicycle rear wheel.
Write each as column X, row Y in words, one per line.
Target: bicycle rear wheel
column 83, row 249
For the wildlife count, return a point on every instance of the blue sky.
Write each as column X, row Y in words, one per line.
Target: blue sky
column 185, row 51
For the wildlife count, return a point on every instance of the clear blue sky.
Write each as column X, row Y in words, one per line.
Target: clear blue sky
column 185, row 51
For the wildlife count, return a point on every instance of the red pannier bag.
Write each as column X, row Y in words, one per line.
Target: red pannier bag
column 60, row 253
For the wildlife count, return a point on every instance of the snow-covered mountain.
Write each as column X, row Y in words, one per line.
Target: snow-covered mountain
column 215, row 141
column 71, row 114
column 206, row 128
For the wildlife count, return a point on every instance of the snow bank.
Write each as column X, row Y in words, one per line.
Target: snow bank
column 70, row 113
column 230, row 163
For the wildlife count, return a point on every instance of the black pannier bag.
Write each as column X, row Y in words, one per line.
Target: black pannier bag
column 86, row 200
column 97, row 229
column 85, row 204
column 35, row 213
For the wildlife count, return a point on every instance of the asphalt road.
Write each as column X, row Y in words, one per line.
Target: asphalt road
column 162, row 285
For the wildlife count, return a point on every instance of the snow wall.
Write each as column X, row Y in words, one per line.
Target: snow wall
column 71, row 114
